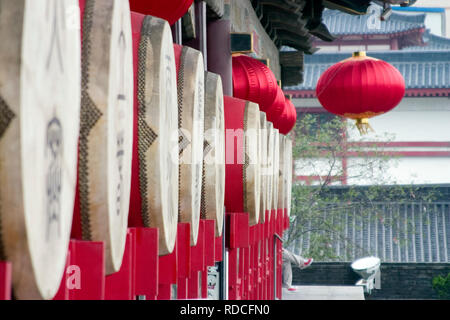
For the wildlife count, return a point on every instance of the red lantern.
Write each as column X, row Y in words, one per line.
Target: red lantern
column 254, row 81
column 359, row 88
column 288, row 118
column 276, row 109
column 170, row 10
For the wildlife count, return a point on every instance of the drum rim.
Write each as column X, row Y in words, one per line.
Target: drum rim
column 158, row 204
column 214, row 200
column 191, row 63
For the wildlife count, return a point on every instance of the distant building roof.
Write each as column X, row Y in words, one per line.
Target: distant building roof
column 432, row 43
column 421, row 71
column 341, row 24
column 399, row 232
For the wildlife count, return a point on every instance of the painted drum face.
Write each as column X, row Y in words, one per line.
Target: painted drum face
column 213, row 181
column 252, row 175
column 281, row 173
column 157, row 136
column 191, row 103
column 276, row 169
column 120, row 127
column 106, row 127
column 288, row 164
column 270, row 163
column 263, row 165
column 40, row 77
column 169, row 125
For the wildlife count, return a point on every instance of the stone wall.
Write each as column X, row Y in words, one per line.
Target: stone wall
column 244, row 19
column 398, row 280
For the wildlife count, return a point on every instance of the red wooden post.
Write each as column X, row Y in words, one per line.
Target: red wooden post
column 233, row 271
column 184, row 259
column 218, row 248
column 210, row 258
column 5, row 280
column 279, row 270
column 210, row 244
column 204, row 281
column 193, row 285
column 233, row 256
column 252, row 263
column 197, row 262
column 198, row 251
column 182, row 288
column 266, row 256
column 273, row 228
column 167, row 274
column 146, row 262
column 120, row 285
column 86, row 272
column 257, row 263
column 245, row 272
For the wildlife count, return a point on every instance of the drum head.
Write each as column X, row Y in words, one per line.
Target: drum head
column 263, row 165
column 213, row 181
column 276, row 168
column 191, row 103
column 289, row 164
column 106, row 127
column 157, row 131
column 281, row 174
column 268, row 170
column 40, row 75
column 252, row 175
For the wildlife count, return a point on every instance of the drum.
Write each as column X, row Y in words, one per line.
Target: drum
column 106, row 128
column 268, row 169
column 154, row 178
column 242, row 166
column 213, row 178
column 276, row 169
column 282, row 173
column 263, row 165
column 289, row 164
column 40, row 76
column 191, row 107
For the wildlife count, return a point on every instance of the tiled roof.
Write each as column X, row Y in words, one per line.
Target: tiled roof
column 341, row 24
column 404, row 232
column 432, row 42
column 421, row 71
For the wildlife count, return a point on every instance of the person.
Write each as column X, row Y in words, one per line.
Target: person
column 288, row 259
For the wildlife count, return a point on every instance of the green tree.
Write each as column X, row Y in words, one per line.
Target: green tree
column 441, row 284
column 322, row 210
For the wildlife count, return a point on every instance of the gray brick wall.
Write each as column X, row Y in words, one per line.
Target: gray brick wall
column 398, row 280
column 243, row 19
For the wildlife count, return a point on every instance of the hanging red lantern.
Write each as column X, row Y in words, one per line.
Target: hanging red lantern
column 254, row 81
column 359, row 88
column 170, row 10
column 276, row 109
column 287, row 119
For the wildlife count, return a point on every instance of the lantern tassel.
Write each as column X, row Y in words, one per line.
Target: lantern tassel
column 363, row 126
